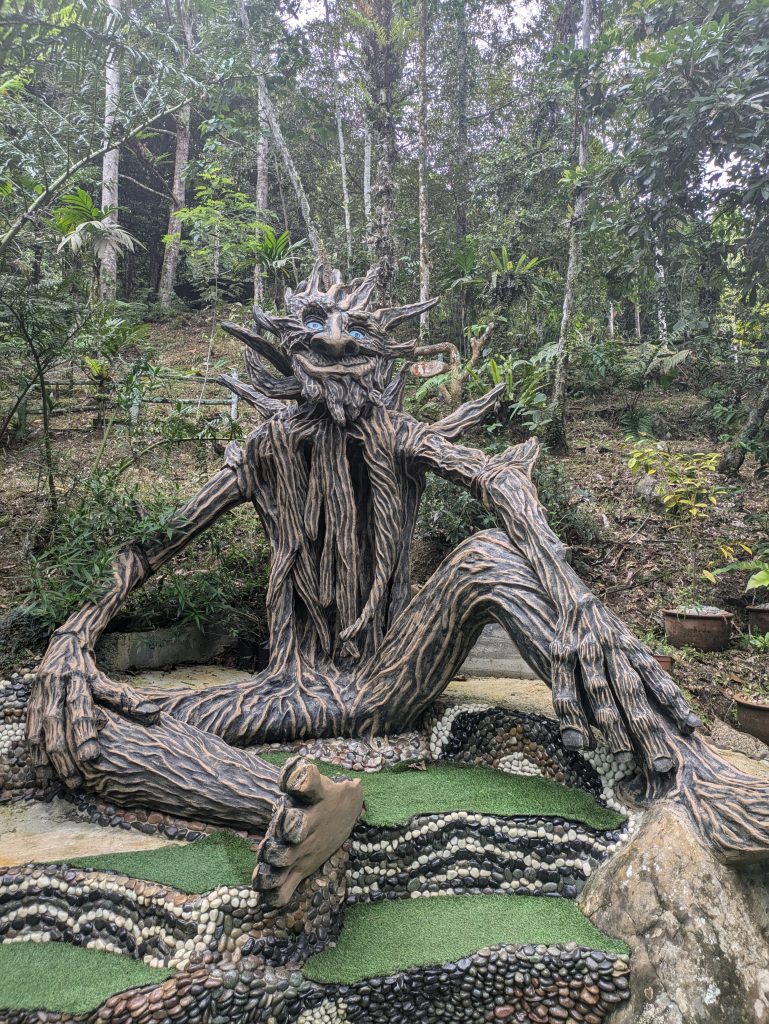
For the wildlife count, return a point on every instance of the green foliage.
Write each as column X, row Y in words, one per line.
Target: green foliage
column 571, row 510
column 85, row 226
column 450, row 514
column 759, row 641
column 684, row 479
column 220, row 579
column 757, row 564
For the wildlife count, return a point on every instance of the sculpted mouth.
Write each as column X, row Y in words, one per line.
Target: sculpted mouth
column 359, row 368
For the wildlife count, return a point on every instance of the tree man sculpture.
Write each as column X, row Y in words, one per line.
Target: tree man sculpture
column 336, row 471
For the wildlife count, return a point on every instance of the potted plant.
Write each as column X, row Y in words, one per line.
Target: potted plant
column 753, row 711
column 758, row 565
column 661, row 649
column 692, row 624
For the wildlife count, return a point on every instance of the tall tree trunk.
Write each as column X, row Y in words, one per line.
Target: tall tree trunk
column 611, row 320
column 555, row 432
column 293, row 174
column 178, row 199
column 262, row 188
column 383, row 71
column 181, row 159
column 659, row 274
column 110, row 167
column 340, row 139
column 267, row 108
column 734, row 456
column 367, row 188
column 424, row 224
column 637, row 313
column 461, row 168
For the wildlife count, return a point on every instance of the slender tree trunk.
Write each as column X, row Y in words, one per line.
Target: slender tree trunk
column 424, row 224
column 178, row 199
column 262, row 189
column 637, row 312
column 293, row 174
column 383, row 70
column 181, row 159
column 267, row 108
column 345, row 189
column 611, row 320
column 555, row 432
column 734, row 456
column 659, row 274
column 340, row 139
column 110, row 168
column 367, row 188
column 461, row 168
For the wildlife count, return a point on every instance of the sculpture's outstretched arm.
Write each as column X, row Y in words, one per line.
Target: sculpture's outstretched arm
column 62, row 719
column 600, row 672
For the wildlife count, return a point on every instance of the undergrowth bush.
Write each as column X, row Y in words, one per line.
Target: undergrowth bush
column 220, row 578
column 568, row 506
column 450, row 514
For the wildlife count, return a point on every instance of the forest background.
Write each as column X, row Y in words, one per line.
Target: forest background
column 585, row 185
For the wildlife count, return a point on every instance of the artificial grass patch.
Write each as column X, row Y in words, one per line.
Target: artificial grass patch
column 67, row 979
column 382, row 938
column 219, row 859
column 394, row 795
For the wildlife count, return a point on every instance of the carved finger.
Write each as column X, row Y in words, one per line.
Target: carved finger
column 83, row 735
column 664, row 691
column 35, row 732
column 575, row 730
column 601, row 698
column 648, row 732
column 124, row 700
column 301, row 780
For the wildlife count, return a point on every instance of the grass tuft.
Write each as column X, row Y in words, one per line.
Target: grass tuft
column 380, row 939
column 219, row 859
column 62, row 978
column 395, row 795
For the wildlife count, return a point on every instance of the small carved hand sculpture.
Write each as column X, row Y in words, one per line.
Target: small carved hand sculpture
column 62, row 721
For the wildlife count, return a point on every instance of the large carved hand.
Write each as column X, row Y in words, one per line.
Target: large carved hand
column 600, row 670
column 62, row 721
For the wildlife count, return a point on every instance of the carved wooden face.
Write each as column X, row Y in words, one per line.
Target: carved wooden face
column 340, row 352
column 339, row 358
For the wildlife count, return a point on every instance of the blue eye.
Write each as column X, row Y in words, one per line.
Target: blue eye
column 356, row 332
column 314, row 325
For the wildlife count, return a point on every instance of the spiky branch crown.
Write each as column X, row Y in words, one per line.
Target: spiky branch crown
column 326, row 290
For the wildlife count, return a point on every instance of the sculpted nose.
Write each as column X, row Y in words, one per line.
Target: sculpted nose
column 334, row 343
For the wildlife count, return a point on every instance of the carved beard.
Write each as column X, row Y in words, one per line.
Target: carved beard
column 344, row 395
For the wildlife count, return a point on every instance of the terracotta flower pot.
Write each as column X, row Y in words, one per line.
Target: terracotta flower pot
column 753, row 718
column 704, row 630
column 665, row 662
column 758, row 618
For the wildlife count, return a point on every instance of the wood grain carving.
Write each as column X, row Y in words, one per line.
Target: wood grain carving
column 336, row 471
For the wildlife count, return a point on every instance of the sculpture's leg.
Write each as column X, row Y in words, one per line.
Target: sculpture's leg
column 484, row 580
column 175, row 768
column 270, row 708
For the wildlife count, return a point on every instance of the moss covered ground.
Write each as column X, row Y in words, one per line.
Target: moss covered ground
column 383, row 938
column 219, row 859
column 395, row 795
column 67, row 979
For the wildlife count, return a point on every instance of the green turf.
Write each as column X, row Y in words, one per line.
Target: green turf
column 395, row 795
column 218, row 859
column 382, row 938
column 67, row 979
